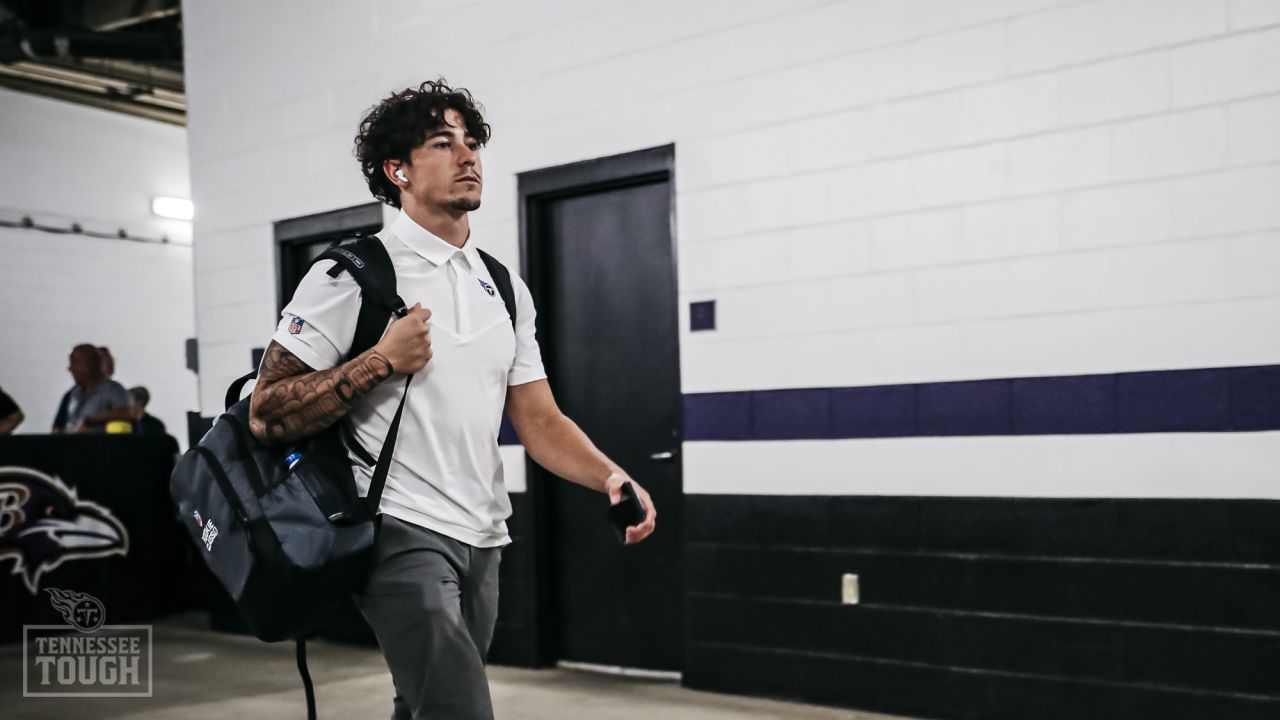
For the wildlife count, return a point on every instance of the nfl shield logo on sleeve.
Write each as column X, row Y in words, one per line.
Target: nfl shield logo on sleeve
column 295, row 325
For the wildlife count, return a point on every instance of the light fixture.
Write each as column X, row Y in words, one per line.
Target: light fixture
column 173, row 208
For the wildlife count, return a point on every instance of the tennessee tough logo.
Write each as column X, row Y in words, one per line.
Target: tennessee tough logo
column 43, row 524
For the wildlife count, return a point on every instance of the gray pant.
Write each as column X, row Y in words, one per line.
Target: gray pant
column 433, row 602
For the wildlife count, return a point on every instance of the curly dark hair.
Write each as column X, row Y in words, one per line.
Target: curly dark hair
column 402, row 121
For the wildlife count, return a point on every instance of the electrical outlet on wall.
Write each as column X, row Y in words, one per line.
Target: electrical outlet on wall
column 849, row 591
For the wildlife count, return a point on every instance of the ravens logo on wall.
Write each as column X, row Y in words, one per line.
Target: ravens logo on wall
column 44, row 524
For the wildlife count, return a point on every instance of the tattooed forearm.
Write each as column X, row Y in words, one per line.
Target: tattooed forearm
column 292, row 401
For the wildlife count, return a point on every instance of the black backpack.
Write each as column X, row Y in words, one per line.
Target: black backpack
column 283, row 528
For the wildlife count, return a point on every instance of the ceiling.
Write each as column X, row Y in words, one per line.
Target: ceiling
column 120, row 55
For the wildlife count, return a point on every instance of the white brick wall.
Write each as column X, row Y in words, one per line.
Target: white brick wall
column 1233, row 67
column 1117, row 215
column 1060, row 161
column 1173, row 144
column 1010, row 107
column 1062, row 283
column 963, row 57
column 1010, row 228
column 1227, row 202
column 1061, row 36
column 1251, row 135
column 1253, row 13
column 67, row 163
column 889, row 136
column 1080, row 466
column 913, row 239
column 873, row 191
column 1135, row 85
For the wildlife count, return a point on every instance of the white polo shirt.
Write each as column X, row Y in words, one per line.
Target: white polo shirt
column 446, row 474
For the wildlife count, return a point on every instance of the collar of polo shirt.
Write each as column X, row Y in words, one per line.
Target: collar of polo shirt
column 429, row 246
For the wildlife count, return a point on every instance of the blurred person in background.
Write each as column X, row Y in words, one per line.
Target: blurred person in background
column 10, row 414
column 95, row 399
column 108, row 362
column 144, row 423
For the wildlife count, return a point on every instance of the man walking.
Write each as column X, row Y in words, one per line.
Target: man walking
column 432, row 596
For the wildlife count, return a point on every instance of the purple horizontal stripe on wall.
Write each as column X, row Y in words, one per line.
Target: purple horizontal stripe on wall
column 721, row 416
column 1201, row 400
column 1255, row 397
column 791, row 414
column 976, row 407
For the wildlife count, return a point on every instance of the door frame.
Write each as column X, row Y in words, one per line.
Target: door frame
column 536, row 188
column 329, row 225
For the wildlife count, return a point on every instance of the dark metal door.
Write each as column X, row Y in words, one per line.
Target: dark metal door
column 609, row 334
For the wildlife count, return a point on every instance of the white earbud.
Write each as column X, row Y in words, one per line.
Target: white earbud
column 400, row 175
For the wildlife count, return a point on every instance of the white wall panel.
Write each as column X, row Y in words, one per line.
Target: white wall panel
column 1060, row 36
column 1252, row 137
column 1232, row 67
column 1156, row 465
column 1136, row 85
column 1253, row 13
column 1176, row 144
column 72, row 164
column 873, row 192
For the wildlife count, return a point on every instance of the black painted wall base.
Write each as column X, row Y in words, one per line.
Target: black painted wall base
column 516, row 639
column 989, row 608
column 972, row 608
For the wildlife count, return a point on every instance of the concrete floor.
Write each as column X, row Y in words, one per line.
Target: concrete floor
column 201, row 675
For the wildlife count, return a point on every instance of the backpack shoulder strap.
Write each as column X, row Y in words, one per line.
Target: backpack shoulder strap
column 501, row 278
column 369, row 264
column 367, row 260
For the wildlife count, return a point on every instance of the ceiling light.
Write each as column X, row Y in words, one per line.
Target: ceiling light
column 174, row 208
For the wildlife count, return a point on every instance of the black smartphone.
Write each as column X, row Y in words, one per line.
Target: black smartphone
column 626, row 513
